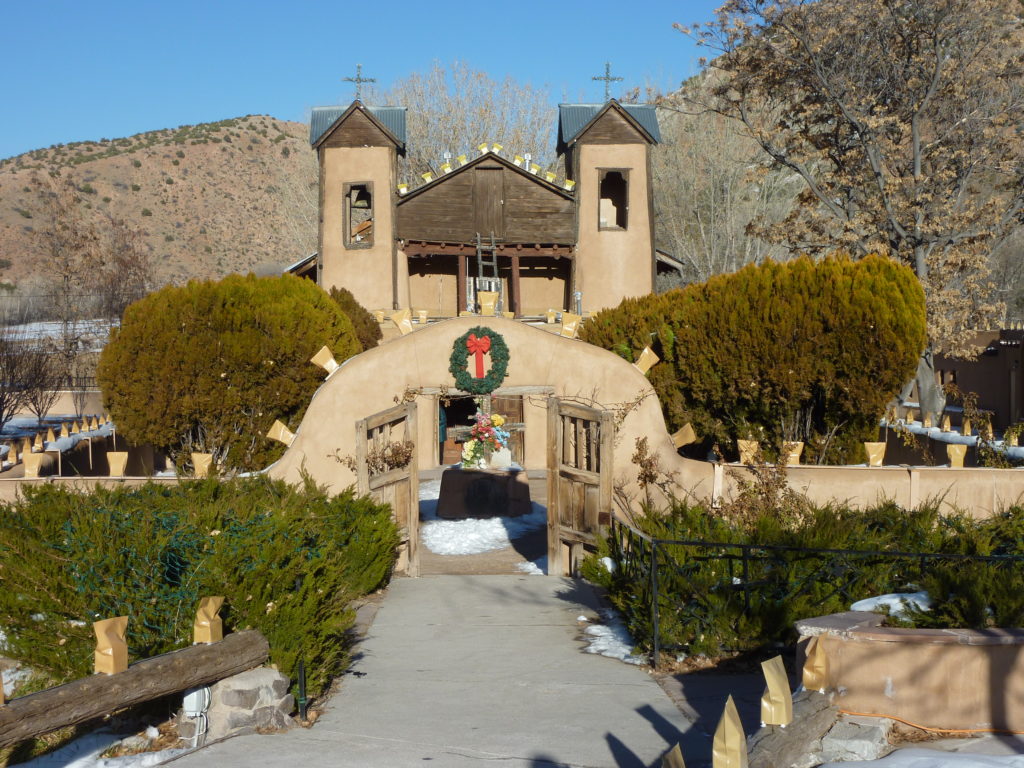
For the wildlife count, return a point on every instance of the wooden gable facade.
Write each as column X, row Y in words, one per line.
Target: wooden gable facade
column 488, row 195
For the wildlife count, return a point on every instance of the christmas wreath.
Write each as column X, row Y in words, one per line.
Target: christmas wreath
column 479, row 341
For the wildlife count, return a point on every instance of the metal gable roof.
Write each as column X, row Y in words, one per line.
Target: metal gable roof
column 392, row 118
column 573, row 118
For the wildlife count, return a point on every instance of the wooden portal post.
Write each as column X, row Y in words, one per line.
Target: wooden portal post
column 555, row 566
column 517, row 307
column 461, row 288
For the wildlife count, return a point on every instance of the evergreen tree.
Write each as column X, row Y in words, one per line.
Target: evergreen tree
column 803, row 350
column 209, row 366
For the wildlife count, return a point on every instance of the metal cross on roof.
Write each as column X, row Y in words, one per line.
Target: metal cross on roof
column 359, row 80
column 608, row 80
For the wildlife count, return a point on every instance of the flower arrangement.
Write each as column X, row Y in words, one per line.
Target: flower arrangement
column 485, row 437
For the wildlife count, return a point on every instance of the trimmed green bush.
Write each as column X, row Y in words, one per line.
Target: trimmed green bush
column 288, row 560
column 366, row 326
column 704, row 607
column 209, row 366
column 801, row 350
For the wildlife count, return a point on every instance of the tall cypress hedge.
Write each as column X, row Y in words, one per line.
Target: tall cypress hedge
column 209, row 366
column 801, row 350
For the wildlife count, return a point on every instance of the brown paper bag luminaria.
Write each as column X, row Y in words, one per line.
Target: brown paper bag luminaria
column 684, row 436
column 815, row 672
column 876, row 453
column 117, row 460
column 201, row 463
column 730, row 745
column 956, row 453
column 647, row 360
column 673, row 758
column 111, row 654
column 325, row 359
column 777, row 701
column 791, row 453
column 403, row 320
column 208, row 627
column 748, row 451
column 278, row 431
column 570, row 325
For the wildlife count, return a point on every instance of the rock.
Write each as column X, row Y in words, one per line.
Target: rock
column 798, row 745
column 244, row 699
column 257, row 699
column 857, row 738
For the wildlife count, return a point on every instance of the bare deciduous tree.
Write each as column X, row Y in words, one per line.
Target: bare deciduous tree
column 41, row 378
column 901, row 120
column 710, row 182
column 12, row 375
column 456, row 109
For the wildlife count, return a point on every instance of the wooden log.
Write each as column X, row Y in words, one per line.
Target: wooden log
column 91, row 697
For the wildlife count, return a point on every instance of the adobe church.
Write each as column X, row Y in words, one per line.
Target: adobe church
column 493, row 221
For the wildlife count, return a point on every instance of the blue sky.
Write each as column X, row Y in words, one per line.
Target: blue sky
column 75, row 71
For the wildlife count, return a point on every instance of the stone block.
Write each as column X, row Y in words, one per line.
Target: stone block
column 280, row 685
column 857, row 739
column 241, row 698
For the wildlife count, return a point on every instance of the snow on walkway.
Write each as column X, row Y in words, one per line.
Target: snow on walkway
column 471, row 536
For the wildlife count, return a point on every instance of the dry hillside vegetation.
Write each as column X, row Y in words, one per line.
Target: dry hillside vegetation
column 238, row 195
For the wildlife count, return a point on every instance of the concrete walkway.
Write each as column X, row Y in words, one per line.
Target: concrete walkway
column 476, row 670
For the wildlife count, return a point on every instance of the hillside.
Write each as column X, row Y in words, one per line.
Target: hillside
column 210, row 199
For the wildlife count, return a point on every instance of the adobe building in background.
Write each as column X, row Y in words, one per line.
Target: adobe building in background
column 489, row 219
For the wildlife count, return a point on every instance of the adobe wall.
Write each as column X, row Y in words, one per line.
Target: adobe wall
column 612, row 265
column 947, row 679
column 540, row 363
column 979, row 491
column 367, row 272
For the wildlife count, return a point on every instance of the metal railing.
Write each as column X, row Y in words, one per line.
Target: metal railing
column 760, row 574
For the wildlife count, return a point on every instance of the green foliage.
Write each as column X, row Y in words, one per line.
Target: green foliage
column 209, row 366
column 146, row 212
column 704, row 608
column 366, row 326
column 288, row 561
column 800, row 350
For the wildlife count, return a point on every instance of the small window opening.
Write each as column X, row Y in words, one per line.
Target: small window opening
column 612, row 208
column 359, row 215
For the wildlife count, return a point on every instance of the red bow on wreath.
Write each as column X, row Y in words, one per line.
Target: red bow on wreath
column 478, row 347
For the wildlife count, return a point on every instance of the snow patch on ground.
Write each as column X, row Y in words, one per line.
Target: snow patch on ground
column 897, row 603
column 473, row 536
column 930, row 758
column 536, row 568
column 84, row 752
column 10, row 679
column 611, row 639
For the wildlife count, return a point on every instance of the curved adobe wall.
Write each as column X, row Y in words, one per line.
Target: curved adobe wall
column 541, row 361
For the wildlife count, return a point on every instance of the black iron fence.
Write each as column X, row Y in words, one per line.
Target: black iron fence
column 697, row 586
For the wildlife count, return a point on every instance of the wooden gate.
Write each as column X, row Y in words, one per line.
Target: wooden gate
column 383, row 441
column 580, row 442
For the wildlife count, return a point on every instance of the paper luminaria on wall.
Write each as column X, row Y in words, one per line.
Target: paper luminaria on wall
column 325, row 359
column 729, row 748
column 278, row 431
column 777, row 701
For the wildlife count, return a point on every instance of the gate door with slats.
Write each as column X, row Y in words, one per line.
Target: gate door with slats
column 580, row 442
column 376, row 441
